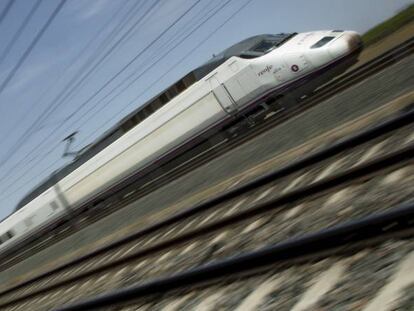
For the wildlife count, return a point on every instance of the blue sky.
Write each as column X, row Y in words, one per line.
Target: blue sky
column 75, row 41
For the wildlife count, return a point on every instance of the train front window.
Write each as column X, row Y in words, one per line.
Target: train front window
column 322, row 42
column 266, row 45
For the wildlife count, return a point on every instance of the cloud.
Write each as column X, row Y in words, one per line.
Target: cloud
column 86, row 9
column 26, row 76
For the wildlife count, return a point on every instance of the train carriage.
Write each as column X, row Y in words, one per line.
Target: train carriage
column 228, row 87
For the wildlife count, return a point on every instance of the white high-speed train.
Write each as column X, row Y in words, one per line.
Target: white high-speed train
column 232, row 84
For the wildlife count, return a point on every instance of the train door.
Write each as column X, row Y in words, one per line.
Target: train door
column 222, row 95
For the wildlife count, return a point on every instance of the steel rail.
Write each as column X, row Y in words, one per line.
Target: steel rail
column 341, row 235
column 355, row 173
column 346, row 80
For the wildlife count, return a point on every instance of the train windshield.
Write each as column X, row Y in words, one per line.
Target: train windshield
column 266, row 44
column 249, row 48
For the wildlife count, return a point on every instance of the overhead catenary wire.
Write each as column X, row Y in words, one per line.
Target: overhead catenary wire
column 177, row 43
column 203, row 41
column 16, row 36
column 175, row 39
column 54, row 103
column 59, row 100
column 10, row 154
column 26, row 158
column 31, row 46
column 6, row 10
column 135, row 32
column 130, row 62
column 55, row 147
column 155, row 82
column 32, row 127
column 89, row 61
column 79, row 75
column 136, row 57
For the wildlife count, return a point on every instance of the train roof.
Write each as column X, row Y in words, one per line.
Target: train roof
column 249, row 48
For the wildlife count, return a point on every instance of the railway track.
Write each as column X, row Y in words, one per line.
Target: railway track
column 205, row 153
column 351, row 266
column 365, row 174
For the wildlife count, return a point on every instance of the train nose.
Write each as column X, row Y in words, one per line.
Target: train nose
column 350, row 41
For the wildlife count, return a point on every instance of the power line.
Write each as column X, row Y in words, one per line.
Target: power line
column 16, row 36
column 36, row 125
column 177, row 43
column 31, row 47
column 170, row 69
column 61, row 97
column 125, row 67
column 52, row 105
column 32, row 127
column 6, row 10
column 162, row 48
column 57, row 101
column 216, row 10
column 114, row 77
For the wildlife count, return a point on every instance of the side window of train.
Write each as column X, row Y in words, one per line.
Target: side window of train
column 6, row 236
column 10, row 234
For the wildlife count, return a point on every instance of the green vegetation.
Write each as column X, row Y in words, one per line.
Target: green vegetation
column 389, row 26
